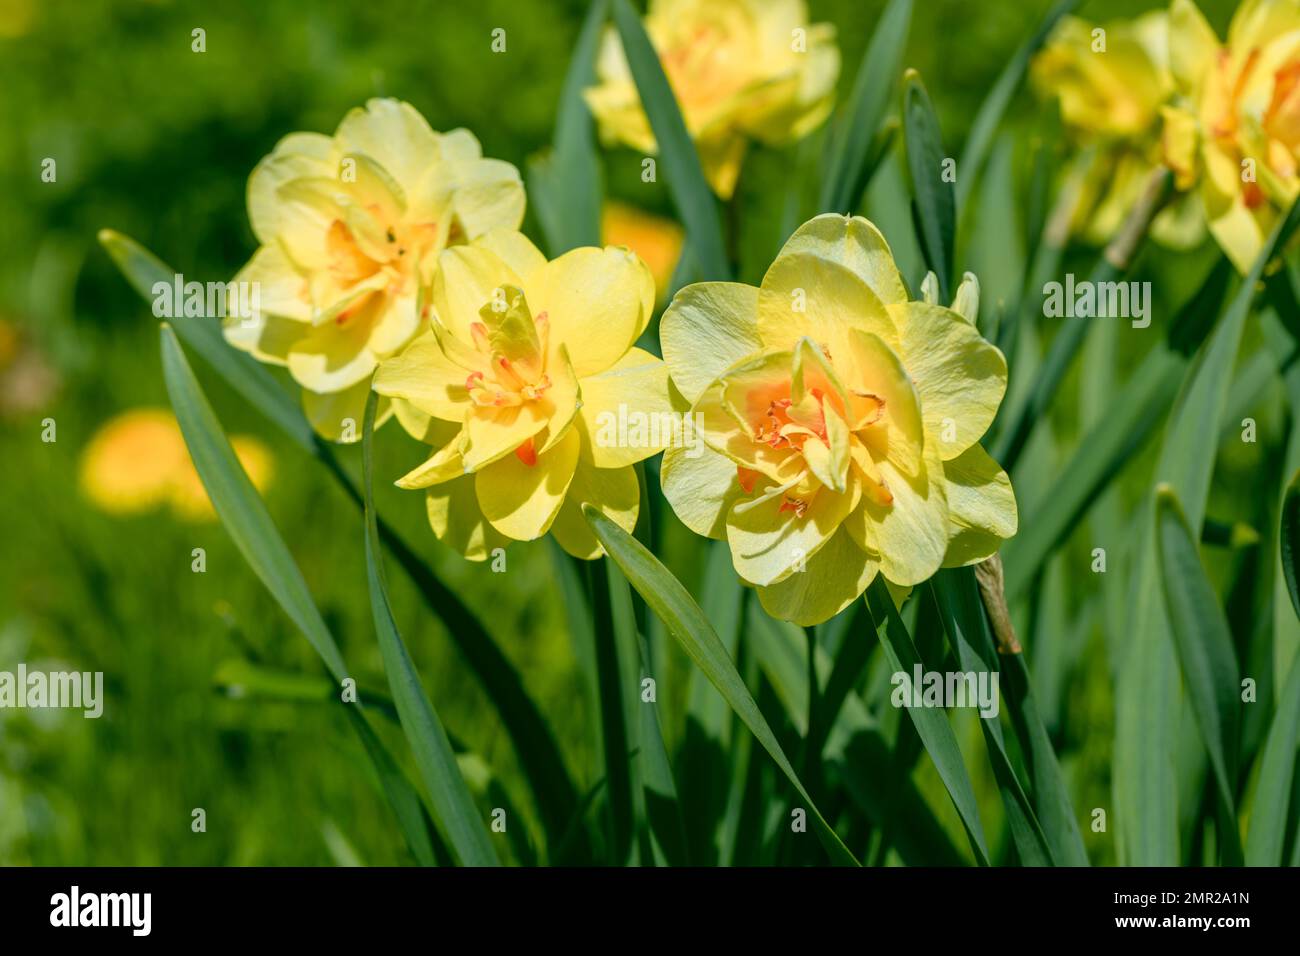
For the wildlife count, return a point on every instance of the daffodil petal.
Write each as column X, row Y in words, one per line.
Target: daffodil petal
column 981, row 506
column 337, row 416
column 493, row 433
column 424, row 376
column 708, row 327
column 282, row 292
column 422, row 426
column 854, row 243
column 628, row 413
column 1193, row 46
column 331, row 357
column 597, row 302
column 392, row 133
column 489, row 194
column 910, row 533
column 615, row 492
column 444, row 465
column 873, row 373
column 830, row 581
column 521, row 500
column 456, row 520
column 296, row 155
column 768, row 543
column 806, row 295
column 467, row 280
column 514, row 249
column 960, row 377
column 701, row 486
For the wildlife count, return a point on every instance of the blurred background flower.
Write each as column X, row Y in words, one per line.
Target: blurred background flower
column 137, row 461
column 741, row 70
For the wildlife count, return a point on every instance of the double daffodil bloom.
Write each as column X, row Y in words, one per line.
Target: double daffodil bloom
column 516, row 379
column 350, row 228
column 740, row 70
column 1111, row 82
column 1235, row 127
column 842, row 423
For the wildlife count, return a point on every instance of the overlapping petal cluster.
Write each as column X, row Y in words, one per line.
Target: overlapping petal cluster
column 741, row 70
column 842, row 424
column 523, row 359
column 350, row 228
column 1234, row 128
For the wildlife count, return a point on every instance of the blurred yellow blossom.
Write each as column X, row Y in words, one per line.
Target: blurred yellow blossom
column 137, row 461
column 740, row 69
column 350, row 228
column 1235, row 126
column 517, row 379
column 842, row 424
column 1112, row 81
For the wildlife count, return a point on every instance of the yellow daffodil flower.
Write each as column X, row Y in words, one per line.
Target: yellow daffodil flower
column 1111, row 82
column 524, row 369
column 350, row 228
column 138, row 461
column 656, row 240
column 842, row 424
column 740, row 69
column 1235, row 127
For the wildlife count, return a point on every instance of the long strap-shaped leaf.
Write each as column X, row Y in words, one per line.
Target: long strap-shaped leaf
column 931, row 722
column 855, row 744
column 964, row 623
column 249, row 525
column 564, row 187
column 1114, row 262
column 681, row 165
column 1148, row 696
column 539, row 755
column 1266, row 839
column 453, row 808
column 1204, row 648
column 1132, row 417
column 671, row 602
column 999, row 98
column 846, row 165
column 934, row 202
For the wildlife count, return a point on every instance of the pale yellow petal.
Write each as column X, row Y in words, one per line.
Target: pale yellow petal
column 768, row 544
column 708, row 327
column 831, row 580
column 628, row 413
column 960, row 377
column 981, row 506
column 910, row 533
column 444, row 465
column 465, row 282
column 424, row 376
column 332, row 357
column 456, row 520
column 807, row 295
column 521, row 499
column 857, row 245
column 701, row 486
column 615, row 492
column 338, row 416
column 297, row 155
column 597, row 301
column 493, row 433
column 394, row 134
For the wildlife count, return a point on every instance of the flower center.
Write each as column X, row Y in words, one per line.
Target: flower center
column 511, row 344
